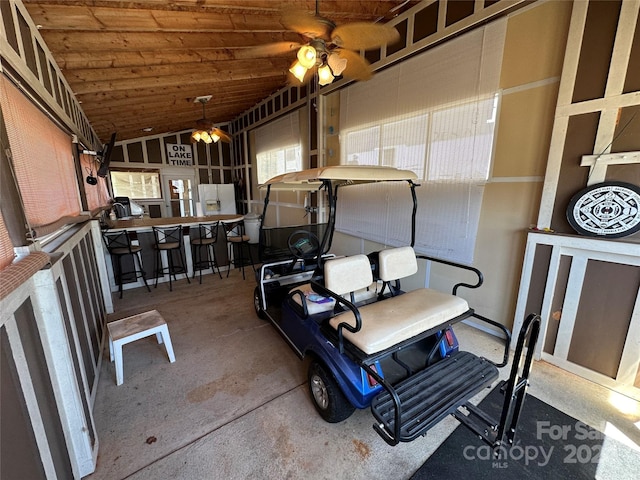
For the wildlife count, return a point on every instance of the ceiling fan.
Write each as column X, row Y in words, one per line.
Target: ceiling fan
column 329, row 50
column 205, row 130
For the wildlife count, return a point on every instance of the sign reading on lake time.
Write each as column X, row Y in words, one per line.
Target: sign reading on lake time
column 179, row 155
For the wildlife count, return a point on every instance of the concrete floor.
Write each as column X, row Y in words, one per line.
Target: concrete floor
column 235, row 404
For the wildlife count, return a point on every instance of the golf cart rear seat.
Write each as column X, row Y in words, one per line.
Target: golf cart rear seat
column 396, row 319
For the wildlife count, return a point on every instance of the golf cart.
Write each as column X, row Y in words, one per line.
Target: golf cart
column 371, row 344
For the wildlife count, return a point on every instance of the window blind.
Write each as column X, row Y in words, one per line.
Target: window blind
column 434, row 114
column 278, row 147
column 42, row 160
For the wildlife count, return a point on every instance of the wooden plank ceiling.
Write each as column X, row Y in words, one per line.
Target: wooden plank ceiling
column 140, row 64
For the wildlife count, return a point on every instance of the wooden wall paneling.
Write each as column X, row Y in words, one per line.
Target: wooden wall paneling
column 595, row 57
column 554, row 319
column 19, row 458
column 604, row 314
column 579, row 138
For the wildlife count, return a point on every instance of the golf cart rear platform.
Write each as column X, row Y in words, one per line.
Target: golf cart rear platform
column 430, row 395
column 410, row 408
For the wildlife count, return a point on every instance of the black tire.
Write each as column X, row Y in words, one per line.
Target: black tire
column 327, row 396
column 257, row 304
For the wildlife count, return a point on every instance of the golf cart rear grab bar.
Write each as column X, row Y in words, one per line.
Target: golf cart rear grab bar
column 457, row 265
column 479, row 282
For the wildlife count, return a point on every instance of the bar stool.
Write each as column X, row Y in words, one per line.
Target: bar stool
column 169, row 239
column 238, row 243
column 207, row 237
column 119, row 245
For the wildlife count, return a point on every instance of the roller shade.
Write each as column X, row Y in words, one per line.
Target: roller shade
column 42, row 159
column 278, row 147
column 434, row 114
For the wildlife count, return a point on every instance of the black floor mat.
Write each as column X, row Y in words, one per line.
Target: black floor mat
column 548, row 445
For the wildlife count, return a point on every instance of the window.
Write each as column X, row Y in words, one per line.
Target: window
column 400, row 144
column 278, row 147
column 136, row 184
column 276, row 162
column 435, row 115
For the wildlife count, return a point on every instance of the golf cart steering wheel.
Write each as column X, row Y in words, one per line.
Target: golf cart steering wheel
column 303, row 244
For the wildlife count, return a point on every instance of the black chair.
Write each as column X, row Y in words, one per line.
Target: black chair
column 203, row 252
column 169, row 239
column 119, row 245
column 238, row 245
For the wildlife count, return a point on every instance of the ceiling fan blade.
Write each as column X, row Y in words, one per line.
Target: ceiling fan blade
column 364, row 36
column 312, row 26
column 204, row 124
column 268, row 50
column 358, row 68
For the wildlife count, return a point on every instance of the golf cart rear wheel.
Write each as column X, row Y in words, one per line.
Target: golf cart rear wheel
column 327, row 397
column 257, row 304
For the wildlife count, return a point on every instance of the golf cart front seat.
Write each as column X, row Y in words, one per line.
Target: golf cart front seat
column 306, row 298
column 390, row 321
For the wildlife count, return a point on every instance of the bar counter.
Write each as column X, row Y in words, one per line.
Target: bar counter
column 141, row 233
column 145, row 223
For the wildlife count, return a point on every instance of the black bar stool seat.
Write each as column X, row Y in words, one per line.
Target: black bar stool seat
column 119, row 245
column 203, row 250
column 239, row 246
column 169, row 239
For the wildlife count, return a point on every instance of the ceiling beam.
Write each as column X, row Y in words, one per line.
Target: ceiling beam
column 224, row 68
column 91, row 41
column 212, row 78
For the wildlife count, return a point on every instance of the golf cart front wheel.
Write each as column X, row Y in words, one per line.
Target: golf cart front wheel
column 257, row 304
column 327, row 397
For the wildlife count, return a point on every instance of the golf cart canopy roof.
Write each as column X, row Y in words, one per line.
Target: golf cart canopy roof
column 313, row 178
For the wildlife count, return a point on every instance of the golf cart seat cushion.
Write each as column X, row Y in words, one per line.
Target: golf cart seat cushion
column 347, row 274
column 388, row 322
column 395, row 263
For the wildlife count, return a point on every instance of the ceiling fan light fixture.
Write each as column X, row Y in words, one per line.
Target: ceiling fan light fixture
column 337, row 64
column 205, row 130
column 307, row 56
column 298, row 70
column 325, row 77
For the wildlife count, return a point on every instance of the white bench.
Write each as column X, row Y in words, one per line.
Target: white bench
column 390, row 321
column 133, row 328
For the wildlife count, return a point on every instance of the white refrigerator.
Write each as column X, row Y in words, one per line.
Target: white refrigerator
column 216, row 199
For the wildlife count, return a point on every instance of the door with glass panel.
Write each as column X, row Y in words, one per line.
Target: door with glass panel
column 179, row 195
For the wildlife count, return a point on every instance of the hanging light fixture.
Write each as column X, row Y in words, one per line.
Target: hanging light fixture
column 298, row 70
column 325, row 77
column 337, row 64
column 307, row 56
column 330, row 65
column 206, row 132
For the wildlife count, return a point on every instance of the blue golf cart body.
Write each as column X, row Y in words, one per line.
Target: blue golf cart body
column 409, row 380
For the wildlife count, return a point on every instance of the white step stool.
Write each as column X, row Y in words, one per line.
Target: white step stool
column 134, row 328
